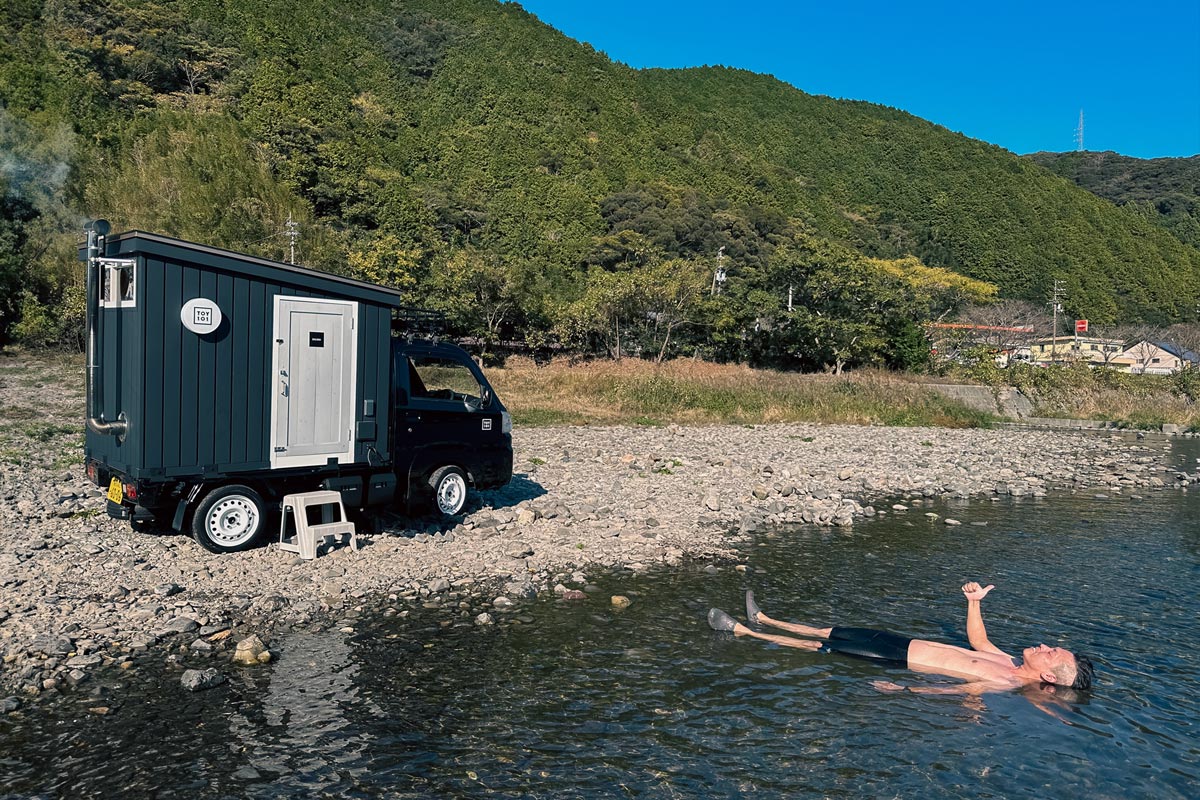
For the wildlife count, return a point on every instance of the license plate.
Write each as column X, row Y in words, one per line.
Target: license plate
column 115, row 492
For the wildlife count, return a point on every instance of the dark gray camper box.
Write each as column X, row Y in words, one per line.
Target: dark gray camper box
column 219, row 382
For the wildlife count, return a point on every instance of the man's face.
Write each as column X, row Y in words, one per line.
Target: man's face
column 1045, row 659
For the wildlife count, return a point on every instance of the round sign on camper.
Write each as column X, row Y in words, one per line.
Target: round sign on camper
column 200, row 315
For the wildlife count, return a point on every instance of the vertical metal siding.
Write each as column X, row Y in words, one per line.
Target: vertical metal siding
column 153, row 298
column 239, row 352
column 187, row 429
column 259, row 380
column 207, row 381
column 226, row 369
column 171, row 412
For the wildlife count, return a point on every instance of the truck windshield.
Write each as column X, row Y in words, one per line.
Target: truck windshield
column 438, row 378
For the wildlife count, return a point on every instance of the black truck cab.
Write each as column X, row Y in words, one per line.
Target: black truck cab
column 450, row 429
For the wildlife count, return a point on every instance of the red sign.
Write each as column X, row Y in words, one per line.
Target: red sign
column 1081, row 326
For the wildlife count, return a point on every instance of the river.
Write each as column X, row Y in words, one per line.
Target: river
column 585, row 700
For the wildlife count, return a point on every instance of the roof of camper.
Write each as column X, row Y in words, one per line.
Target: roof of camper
column 140, row 242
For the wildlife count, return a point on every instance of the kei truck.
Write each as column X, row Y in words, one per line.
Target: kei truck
column 218, row 383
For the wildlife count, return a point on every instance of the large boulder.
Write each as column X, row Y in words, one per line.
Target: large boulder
column 195, row 680
column 251, row 651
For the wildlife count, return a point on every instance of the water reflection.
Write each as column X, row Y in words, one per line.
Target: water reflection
column 299, row 738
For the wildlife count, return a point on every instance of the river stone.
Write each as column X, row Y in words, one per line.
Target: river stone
column 182, row 625
column 520, row 550
column 10, row 704
column 90, row 660
column 574, row 594
column 195, row 680
column 484, row 619
column 712, row 503
column 51, row 645
column 524, row 591
column 439, row 585
column 248, row 650
column 620, row 601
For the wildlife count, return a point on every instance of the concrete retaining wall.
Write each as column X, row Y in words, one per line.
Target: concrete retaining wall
column 1009, row 403
column 1003, row 402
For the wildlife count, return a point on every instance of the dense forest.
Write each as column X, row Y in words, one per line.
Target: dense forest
column 487, row 165
column 1166, row 190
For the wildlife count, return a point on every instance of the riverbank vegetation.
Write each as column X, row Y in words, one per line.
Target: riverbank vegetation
column 695, row 392
column 1077, row 391
column 688, row 391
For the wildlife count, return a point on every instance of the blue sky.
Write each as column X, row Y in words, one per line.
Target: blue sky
column 1015, row 74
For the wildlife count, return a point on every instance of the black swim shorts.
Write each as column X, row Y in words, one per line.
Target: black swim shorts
column 867, row 643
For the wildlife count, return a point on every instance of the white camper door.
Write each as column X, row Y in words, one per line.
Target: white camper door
column 314, row 374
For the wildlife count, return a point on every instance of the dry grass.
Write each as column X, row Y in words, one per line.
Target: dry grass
column 697, row 392
column 1146, row 409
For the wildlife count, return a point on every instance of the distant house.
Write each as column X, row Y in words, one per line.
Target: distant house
column 1159, row 358
column 1095, row 351
column 1006, row 343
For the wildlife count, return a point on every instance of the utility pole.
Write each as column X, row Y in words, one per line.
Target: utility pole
column 1057, row 305
column 719, row 274
column 1079, row 133
column 291, row 230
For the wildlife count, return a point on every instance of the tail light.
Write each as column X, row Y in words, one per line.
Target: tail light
column 131, row 491
column 91, row 472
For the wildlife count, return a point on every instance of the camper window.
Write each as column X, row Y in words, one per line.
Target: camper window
column 442, row 379
column 117, row 285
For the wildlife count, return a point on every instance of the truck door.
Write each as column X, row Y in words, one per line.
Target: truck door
column 314, row 379
column 441, row 421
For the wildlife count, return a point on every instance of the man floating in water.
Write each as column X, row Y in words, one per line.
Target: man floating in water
column 985, row 667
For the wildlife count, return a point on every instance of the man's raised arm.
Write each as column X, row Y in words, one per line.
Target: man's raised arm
column 976, row 632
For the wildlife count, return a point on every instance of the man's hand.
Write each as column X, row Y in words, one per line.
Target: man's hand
column 973, row 591
column 887, row 686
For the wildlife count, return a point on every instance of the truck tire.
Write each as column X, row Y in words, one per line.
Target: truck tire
column 449, row 485
column 229, row 519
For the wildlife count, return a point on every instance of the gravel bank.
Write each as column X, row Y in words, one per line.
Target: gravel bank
column 79, row 592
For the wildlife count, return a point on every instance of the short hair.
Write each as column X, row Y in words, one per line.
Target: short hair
column 1084, row 671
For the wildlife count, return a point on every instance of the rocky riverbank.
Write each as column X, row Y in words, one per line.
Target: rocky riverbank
column 80, row 592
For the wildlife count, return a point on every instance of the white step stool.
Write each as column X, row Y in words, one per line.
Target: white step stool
column 309, row 536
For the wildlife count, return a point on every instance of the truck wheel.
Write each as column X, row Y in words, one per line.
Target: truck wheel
column 449, row 486
column 229, row 519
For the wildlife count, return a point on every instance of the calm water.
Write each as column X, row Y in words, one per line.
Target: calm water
column 590, row 702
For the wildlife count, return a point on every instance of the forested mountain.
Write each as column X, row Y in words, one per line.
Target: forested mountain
column 1166, row 190
column 467, row 153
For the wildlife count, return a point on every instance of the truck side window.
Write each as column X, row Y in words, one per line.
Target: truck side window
column 442, row 379
column 415, row 386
